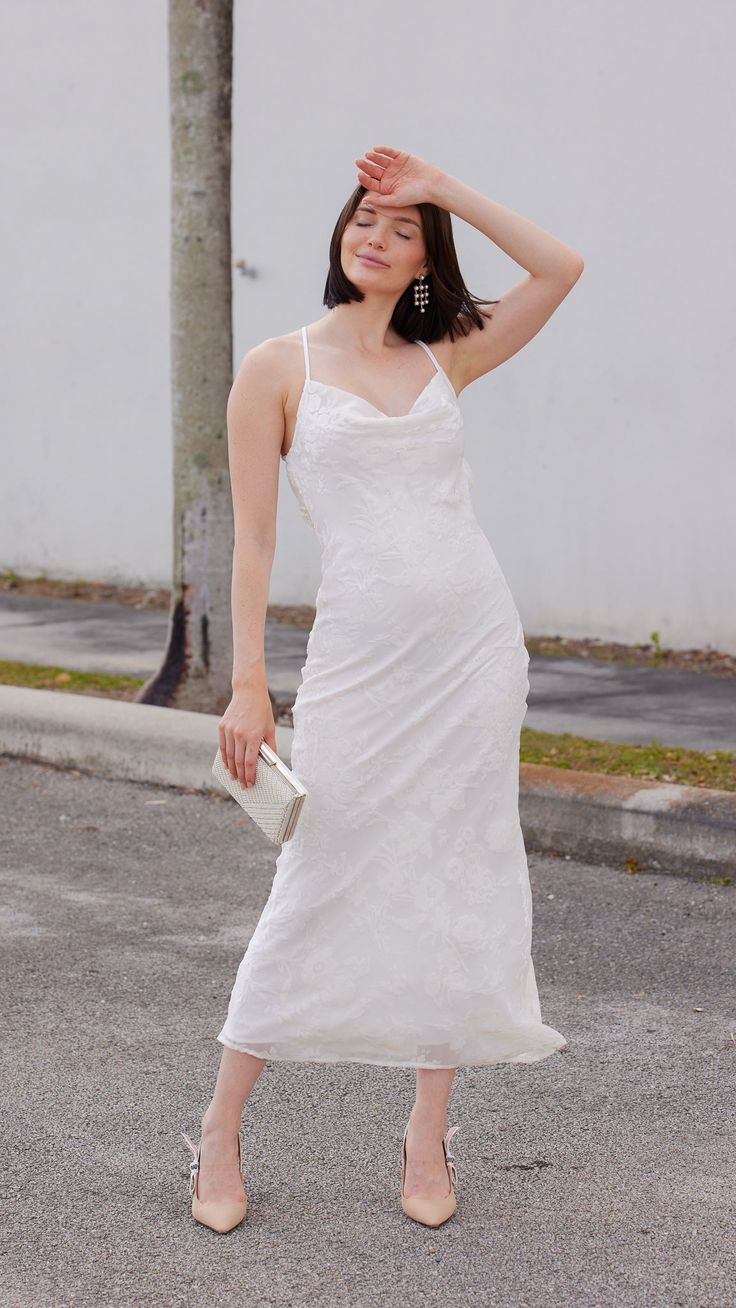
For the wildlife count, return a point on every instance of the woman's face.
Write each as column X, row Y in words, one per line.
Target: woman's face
column 391, row 236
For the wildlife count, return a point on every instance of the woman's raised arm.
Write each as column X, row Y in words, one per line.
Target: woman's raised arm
column 553, row 269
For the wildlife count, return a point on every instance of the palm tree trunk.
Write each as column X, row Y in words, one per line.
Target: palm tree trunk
column 196, row 669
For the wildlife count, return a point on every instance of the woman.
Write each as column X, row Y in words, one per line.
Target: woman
column 398, row 927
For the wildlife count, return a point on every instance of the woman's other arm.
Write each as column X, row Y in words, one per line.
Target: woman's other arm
column 255, row 428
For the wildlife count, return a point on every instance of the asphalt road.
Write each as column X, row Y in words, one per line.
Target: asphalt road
column 603, row 1175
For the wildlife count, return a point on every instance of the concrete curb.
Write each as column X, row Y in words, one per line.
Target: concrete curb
column 115, row 738
column 685, row 830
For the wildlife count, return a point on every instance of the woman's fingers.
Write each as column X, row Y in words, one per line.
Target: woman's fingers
column 382, row 156
column 384, row 170
column 251, row 759
column 374, row 171
column 225, row 746
column 233, row 752
column 238, row 768
column 247, row 721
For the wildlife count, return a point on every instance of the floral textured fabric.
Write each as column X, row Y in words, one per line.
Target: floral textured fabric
column 398, row 926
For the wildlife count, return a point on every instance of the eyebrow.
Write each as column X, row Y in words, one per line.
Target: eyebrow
column 397, row 218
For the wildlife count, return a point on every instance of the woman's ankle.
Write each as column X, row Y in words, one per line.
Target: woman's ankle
column 216, row 1123
column 428, row 1121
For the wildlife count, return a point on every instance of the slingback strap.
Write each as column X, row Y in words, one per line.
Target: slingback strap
column 194, row 1164
column 451, row 1157
column 305, row 343
column 450, row 1134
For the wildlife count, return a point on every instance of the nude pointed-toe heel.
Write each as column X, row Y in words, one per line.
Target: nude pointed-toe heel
column 430, row 1212
column 218, row 1215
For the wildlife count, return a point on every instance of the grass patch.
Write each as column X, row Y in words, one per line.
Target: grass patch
column 40, row 676
column 652, row 762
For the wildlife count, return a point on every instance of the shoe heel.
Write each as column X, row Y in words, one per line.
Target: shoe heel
column 219, row 1216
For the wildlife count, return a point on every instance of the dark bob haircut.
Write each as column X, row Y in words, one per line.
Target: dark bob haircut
column 451, row 307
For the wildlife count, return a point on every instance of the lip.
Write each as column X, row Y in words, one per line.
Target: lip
column 375, row 263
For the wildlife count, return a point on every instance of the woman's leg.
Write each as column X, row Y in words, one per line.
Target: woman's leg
column 219, row 1177
column 426, row 1174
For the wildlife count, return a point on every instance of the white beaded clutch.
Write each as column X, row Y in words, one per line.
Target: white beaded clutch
column 275, row 799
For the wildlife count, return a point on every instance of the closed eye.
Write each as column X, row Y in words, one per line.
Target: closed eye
column 401, row 234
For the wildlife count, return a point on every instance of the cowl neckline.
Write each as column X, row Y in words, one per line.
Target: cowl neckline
column 369, row 412
column 360, row 399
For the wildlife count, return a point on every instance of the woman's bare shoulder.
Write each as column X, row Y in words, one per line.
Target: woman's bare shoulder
column 274, row 362
column 275, row 351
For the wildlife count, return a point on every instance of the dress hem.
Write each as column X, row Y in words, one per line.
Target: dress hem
column 524, row 1057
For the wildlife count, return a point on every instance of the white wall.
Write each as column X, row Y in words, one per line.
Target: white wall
column 603, row 452
column 84, row 410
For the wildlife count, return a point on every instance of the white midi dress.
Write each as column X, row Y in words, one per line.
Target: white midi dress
column 398, row 926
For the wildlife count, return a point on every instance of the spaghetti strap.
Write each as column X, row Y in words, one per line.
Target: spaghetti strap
column 429, row 352
column 306, row 352
column 437, row 365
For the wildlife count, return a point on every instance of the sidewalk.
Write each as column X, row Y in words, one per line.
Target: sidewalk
column 670, row 828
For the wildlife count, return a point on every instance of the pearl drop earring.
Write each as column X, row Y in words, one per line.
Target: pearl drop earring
column 421, row 293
